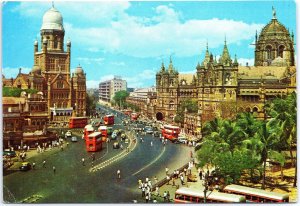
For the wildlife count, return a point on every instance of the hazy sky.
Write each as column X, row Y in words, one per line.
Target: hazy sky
column 131, row 39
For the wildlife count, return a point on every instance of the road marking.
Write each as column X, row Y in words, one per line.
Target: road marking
column 159, row 156
column 111, row 160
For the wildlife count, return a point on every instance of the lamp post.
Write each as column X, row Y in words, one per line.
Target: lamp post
column 205, row 187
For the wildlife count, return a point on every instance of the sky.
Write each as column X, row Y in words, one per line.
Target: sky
column 132, row 39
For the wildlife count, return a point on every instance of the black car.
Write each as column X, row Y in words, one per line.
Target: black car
column 25, row 166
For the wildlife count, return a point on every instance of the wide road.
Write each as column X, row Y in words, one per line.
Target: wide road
column 75, row 183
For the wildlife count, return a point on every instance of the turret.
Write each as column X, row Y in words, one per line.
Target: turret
column 45, row 45
column 69, row 45
column 35, row 46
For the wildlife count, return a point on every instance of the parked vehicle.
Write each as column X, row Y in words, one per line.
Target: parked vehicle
column 68, row 134
column 116, row 145
column 148, row 130
column 25, row 166
column 182, row 139
column 74, row 139
column 9, row 153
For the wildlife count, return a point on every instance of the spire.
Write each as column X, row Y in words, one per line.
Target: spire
column 256, row 36
column 292, row 35
column 225, row 58
column 274, row 13
column 171, row 69
column 235, row 60
column 162, row 66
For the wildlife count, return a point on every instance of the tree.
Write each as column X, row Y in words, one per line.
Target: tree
column 269, row 135
column 16, row 92
column 120, row 97
column 190, row 105
column 90, row 104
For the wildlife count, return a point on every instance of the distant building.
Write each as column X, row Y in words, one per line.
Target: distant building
column 107, row 89
column 130, row 90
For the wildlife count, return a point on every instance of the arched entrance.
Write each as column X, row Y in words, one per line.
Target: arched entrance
column 159, row 116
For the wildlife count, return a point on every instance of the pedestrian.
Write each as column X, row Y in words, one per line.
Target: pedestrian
column 127, row 149
column 119, row 174
column 82, row 160
column 44, row 164
column 191, row 154
column 184, row 171
column 33, row 165
column 154, row 201
column 155, row 179
column 173, row 181
column 182, row 180
column 167, row 170
column 168, row 196
column 165, row 196
column 168, row 179
column 62, row 148
column 143, row 191
column 200, row 174
column 151, row 143
column 147, row 198
column 54, row 169
column 157, row 191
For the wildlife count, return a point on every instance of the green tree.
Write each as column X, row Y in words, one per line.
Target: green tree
column 90, row 104
column 120, row 98
column 269, row 135
column 190, row 105
column 16, row 92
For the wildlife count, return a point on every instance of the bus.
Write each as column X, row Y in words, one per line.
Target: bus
column 196, row 195
column 93, row 142
column 170, row 132
column 256, row 195
column 88, row 129
column 103, row 130
column 108, row 119
column 78, row 122
column 134, row 116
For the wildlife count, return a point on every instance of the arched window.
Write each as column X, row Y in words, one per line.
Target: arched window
column 280, row 51
column 269, row 51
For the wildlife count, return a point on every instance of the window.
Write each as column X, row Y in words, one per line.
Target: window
column 280, row 51
column 269, row 52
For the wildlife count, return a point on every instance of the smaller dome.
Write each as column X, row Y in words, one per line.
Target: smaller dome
column 68, row 42
column 35, row 43
column 79, row 70
column 36, row 69
column 45, row 41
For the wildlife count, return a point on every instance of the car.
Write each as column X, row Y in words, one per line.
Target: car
column 123, row 136
column 116, row 145
column 114, row 135
column 148, row 130
column 126, row 141
column 68, row 134
column 25, row 166
column 74, row 139
column 182, row 139
column 156, row 134
column 9, row 153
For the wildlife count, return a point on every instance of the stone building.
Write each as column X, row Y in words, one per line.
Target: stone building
column 222, row 87
column 65, row 94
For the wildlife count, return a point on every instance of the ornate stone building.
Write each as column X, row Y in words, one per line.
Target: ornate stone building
column 223, row 87
column 65, row 94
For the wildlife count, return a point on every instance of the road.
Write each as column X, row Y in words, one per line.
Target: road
column 75, row 183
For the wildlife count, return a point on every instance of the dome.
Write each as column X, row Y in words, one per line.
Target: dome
column 35, row 42
column 79, row 70
column 68, row 42
column 273, row 27
column 36, row 69
column 53, row 20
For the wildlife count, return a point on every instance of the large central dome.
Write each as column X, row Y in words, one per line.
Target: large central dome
column 53, row 20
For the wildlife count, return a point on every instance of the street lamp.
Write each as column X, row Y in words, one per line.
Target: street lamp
column 205, row 187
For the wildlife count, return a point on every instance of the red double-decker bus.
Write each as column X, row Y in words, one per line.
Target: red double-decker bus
column 88, row 129
column 103, row 130
column 134, row 116
column 93, row 142
column 78, row 122
column 170, row 132
column 109, row 119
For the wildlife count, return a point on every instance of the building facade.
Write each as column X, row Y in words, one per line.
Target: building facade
column 64, row 93
column 222, row 87
column 107, row 89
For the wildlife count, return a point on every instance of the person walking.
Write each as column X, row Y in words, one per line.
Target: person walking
column 157, row 191
column 151, row 143
column 54, row 169
column 155, row 179
column 182, row 179
column 33, row 165
column 168, row 196
column 119, row 174
column 167, row 170
column 143, row 191
column 165, row 196
column 147, row 198
column 44, row 164
column 82, row 161
column 200, row 174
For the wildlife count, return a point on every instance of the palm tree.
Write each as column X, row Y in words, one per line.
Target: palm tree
column 269, row 135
